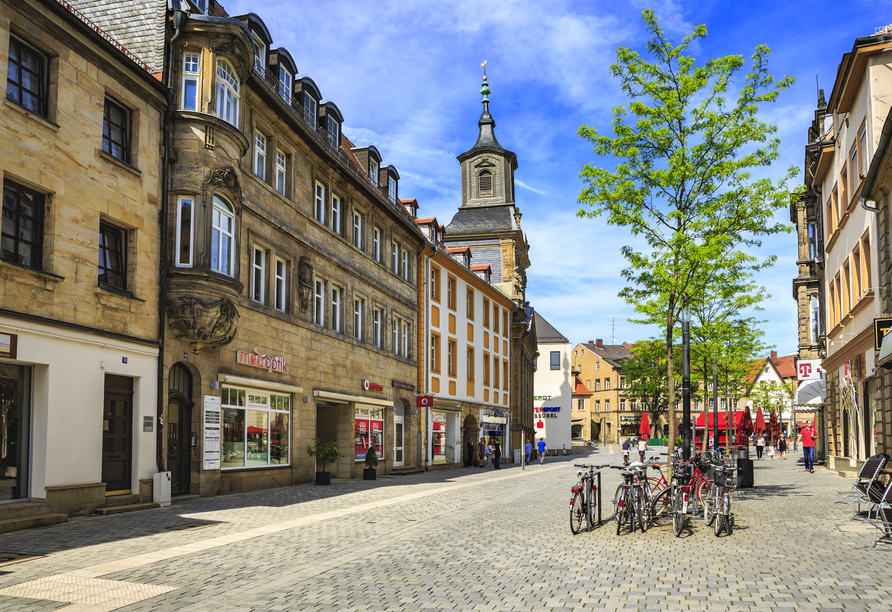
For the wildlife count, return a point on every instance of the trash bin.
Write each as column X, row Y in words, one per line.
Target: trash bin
column 516, row 455
column 744, row 473
column 743, row 452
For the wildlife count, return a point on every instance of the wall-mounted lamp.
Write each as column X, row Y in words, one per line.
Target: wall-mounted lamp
column 215, row 385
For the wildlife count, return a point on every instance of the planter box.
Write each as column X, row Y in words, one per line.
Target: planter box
column 370, row 474
column 323, row 478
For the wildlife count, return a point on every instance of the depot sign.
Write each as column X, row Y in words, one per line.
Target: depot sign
column 267, row 362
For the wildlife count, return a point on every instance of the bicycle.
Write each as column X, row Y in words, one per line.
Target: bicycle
column 629, row 499
column 718, row 508
column 584, row 496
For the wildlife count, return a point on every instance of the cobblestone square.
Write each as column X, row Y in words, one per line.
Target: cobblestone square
column 465, row 539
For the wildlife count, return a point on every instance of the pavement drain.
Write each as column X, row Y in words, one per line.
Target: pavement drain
column 8, row 558
column 195, row 525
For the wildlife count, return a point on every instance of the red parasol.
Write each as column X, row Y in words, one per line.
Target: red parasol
column 644, row 430
column 759, row 425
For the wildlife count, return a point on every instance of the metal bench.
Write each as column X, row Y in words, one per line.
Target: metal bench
column 868, row 488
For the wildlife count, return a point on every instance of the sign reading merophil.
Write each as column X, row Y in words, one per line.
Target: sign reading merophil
column 211, row 447
column 267, row 362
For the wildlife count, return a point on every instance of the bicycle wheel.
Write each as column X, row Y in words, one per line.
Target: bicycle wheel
column 593, row 506
column 655, row 485
column 577, row 514
column 661, row 506
column 619, row 509
column 703, row 489
column 719, row 523
column 729, row 520
column 711, row 507
column 589, row 494
column 639, row 509
column 678, row 517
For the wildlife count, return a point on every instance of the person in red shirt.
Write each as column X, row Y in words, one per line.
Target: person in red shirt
column 807, row 437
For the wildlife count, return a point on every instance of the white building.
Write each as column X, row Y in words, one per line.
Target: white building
column 552, row 386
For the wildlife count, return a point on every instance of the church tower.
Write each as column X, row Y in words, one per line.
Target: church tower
column 488, row 220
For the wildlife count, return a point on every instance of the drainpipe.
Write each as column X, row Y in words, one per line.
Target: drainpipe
column 426, row 255
column 178, row 18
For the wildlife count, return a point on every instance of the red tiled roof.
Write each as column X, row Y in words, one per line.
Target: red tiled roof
column 579, row 388
column 426, row 220
column 755, row 368
column 408, row 201
column 786, row 366
column 481, row 267
column 458, row 249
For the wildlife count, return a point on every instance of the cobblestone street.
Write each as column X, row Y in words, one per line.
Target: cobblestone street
column 467, row 539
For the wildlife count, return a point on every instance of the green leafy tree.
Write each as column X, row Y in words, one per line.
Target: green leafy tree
column 647, row 380
column 682, row 181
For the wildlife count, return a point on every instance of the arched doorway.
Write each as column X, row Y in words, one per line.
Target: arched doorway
column 179, row 429
column 470, row 431
column 399, row 434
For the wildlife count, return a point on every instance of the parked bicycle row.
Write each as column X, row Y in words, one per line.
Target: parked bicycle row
column 701, row 485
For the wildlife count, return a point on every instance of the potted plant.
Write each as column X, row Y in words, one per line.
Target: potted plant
column 328, row 452
column 371, row 465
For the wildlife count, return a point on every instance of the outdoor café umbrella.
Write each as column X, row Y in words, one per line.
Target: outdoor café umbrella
column 644, row 430
column 759, row 425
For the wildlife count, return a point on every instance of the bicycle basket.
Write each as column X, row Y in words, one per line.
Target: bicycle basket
column 720, row 477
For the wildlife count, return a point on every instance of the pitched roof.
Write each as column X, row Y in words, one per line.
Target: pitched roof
column 786, row 366
column 138, row 26
column 546, row 332
column 612, row 353
column 480, row 220
column 481, row 267
column 579, row 388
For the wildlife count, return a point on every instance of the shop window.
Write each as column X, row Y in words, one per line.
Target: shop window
column 189, row 90
column 22, row 226
column 227, row 92
column 438, row 437
column 185, row 229
column 368, row 427
column 280, row 285
column 255, row 428
column 258, row 274
column 26, row 77
column 116, row 131
column 319, row 209
column 112, row 256
column 222, row 235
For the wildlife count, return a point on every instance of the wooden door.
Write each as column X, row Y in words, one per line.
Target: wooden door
column 179, row 443
column 117, row 433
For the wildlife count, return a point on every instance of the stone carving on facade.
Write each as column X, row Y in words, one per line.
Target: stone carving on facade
column 233, row 48
column 520, row 281
column 304, row 282
column 227, row 178
column 206, row 323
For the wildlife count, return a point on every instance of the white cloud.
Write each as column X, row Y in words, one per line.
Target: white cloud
column 523, row 185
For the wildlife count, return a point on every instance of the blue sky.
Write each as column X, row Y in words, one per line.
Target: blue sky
column 406, row 76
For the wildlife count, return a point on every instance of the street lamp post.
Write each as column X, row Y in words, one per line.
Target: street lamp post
column 686, row 384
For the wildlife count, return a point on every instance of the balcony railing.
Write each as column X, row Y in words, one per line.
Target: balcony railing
column 322, row 137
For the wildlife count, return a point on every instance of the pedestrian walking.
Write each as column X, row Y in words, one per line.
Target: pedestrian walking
column 807, row 436
column 481, row 451
column 497, row 454
column 626, row 448
column 760, row 446
column 782, row 447
column 542, row 448
column 469, row 457
column 642, row 447
column 489, row 455
column 771, row 451
column 528, row 450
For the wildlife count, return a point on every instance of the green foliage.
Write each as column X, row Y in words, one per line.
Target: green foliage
column 371, row 458
column 683, row 181
column 327, row 451
column 647, row 380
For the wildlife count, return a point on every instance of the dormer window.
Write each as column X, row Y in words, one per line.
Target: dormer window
column 227, row 92
column 391, row 189
column 373, row 170
column 285, row 84
column 259, row 54
column 484, row 183
column 333, row 132
column 310, row 109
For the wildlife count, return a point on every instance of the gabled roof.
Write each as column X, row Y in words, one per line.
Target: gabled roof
column 786, row 366
column 578, row 387
column 612, row 353
column 481, row 267
column 547, row 333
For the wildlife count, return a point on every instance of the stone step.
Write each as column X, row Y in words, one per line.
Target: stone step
column 107, row 510
column 30, row 522
column 406, row 471
column 22, row 510
column 121, row 500
column 179, row 499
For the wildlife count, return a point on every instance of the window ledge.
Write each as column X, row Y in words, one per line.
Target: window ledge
column 118, row 162
column 47, row 276
column 21, row 109
column 104, row 287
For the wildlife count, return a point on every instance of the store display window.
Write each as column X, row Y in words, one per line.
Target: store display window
column 438, row 436
column 368, row 431
column 255, row 428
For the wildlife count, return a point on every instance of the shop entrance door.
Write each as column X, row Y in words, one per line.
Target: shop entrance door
column 15, row 431
column 398, row 440
column 117, row 433
column 179, row 444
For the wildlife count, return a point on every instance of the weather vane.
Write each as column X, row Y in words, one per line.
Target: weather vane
column 483, row 65
column 485, row 90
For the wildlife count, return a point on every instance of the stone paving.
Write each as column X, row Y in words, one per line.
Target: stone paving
column 466, row 539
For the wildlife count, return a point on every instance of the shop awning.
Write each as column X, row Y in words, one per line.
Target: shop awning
column 344, row 398
column 257, row 383
column 735, row 418
column 812, row 393
column 576, row 420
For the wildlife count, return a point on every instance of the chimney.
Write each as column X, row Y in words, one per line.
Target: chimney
column 773, row 356
column 599, row 343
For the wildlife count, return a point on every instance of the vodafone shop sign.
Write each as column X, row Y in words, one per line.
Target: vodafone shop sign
column 367, row 385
